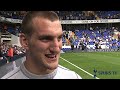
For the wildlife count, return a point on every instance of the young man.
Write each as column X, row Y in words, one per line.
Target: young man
column 42, row 38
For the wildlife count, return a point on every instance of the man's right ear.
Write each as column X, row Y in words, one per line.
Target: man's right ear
column 23, row 40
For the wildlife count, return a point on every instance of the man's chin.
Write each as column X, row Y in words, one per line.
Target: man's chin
column 52, row 67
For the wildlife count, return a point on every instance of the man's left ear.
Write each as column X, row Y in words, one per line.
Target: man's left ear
column 23, row 40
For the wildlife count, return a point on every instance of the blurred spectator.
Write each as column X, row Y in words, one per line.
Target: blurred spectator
column 10, row 53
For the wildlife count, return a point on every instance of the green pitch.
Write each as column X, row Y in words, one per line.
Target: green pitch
column 103, row 65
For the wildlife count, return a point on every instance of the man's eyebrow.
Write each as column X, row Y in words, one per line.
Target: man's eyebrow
column 46, row 36
column 50, row 35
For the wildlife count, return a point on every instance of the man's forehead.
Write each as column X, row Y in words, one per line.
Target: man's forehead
column 42, row 19
column 45, row 24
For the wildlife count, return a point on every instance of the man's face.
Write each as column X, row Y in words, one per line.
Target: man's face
column 45, row 43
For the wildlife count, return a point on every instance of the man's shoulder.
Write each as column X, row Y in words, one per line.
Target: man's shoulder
column 62, row 68
column 67, row 73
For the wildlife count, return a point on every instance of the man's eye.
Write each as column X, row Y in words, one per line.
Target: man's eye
column 59, row 38
column 45, row 39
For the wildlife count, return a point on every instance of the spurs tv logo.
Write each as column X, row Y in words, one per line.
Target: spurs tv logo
column 99, row 72
column 95, row 73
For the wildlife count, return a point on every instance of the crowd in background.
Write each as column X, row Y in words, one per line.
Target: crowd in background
column 8, row 51
column 69, row 15
column 109, row 37
column 13, row 14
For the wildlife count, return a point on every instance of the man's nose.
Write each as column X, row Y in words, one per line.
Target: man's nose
column 55, row 46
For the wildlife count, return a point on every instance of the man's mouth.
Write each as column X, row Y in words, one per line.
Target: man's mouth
column 51, row 56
